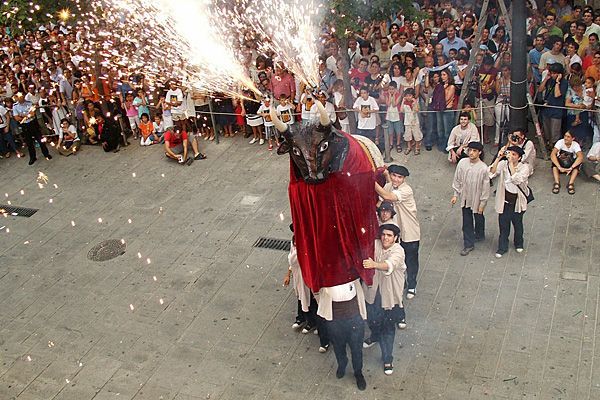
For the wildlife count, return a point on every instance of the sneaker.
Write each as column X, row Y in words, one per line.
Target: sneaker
column 498, row 255
column 316, row 332
column 49, row 157
column 402, row 324
column 307, row 329
column 297, row 324
column 253, row 141
column 323, row 349
column 262, row 141
column 411, row 293
column 361, row 384
column 466, row 251
column 519, row 249
column 388, row 369
column 270, row 147
column 32, row 160
column 368, row 343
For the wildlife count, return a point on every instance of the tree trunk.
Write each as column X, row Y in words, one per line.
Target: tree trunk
column 348, row 100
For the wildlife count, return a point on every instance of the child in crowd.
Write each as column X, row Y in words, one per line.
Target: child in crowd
column 392, row 115
column 589, row 91
column 307, row 101
column 263, row 111
column 159, row 127
column 141, row 102
column 412, row 130
column 132, row 114
column 68, row 140
column 147, row 131
column 166, row 113
column 285, row 110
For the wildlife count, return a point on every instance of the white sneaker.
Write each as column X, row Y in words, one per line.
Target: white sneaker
column 262, row 141
column 519, row 250
column 316, row 332
column 498, row 255
column 411, row 293
column 323, row 349
column 402, row 324
column 252, row 141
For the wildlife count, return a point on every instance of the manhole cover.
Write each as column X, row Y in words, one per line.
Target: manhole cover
column 107, row 250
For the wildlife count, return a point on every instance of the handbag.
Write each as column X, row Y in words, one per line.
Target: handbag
column 529, row 195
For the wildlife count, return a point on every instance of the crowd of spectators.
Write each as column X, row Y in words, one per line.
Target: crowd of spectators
column 406, row 76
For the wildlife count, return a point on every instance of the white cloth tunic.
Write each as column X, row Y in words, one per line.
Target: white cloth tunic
column 302, row 291
column 472, row 184
column 391, row 283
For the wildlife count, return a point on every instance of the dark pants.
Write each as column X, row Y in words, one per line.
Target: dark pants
column 31, row 133
column 473, row 227
column 383, row 329
column 411, row 253
column 368, row 133
column 313, row 320
column 507, row 217
column 347, row 332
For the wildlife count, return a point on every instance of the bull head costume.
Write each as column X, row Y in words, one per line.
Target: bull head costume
column 332, row 200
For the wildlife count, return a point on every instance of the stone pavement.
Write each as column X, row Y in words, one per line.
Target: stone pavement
column 193, row 311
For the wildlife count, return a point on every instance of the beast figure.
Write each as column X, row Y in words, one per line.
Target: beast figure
column 332, row 199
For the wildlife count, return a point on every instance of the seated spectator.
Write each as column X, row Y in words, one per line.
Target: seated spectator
column 177, row 144
column 460, row 137
column 68, row 140
column 106, row 132
column 159, row 127
column 149, row 137
column 567, row 158
column 591, row 166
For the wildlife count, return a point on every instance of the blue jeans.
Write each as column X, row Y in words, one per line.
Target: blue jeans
column 473, row 227
column 411, row 251
column 347, row 332
column 426, row 120
column 368, row 133
column 383, row 329
column 396, row 129
column 6, row 138
column 445, row 122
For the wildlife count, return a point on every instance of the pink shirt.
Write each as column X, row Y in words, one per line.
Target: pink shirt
column 283, row 84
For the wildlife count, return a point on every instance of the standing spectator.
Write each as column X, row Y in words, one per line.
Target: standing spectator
column 131, row 111
column 472, row 185
column 174, row 98
column 6, row 136
column 141, row 103
column 502, row 104
column 270, row 133
column 487, row 75
column 283, row 82
column 451, row 41
column 253, row 120
column 412, row 131
column 285, row 110
column 554, row 89
column 384, row 297
column 535, row 56
column 401, row 194
column 511, row 196
column 24, row 114
column 366, row 107
column 446, row 119
column 423, row 93
column 396, row 127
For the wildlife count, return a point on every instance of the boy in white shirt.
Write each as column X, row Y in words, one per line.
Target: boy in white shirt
column 412, row 130
column 263, row 111
column 285, row 110
column 367, row 108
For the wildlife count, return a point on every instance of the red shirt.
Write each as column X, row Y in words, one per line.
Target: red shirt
column 174, row 139
column 283, row 84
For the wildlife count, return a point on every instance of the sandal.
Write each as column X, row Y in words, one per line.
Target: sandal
column 556, row 188
column 571, row 188
column 417, row 152
column 398, row 148
column 407, row 151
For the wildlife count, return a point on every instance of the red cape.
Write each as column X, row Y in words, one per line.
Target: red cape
column 335, row 224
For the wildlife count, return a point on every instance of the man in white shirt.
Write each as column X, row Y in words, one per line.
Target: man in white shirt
column 403, row 46
column 471, row 184
column 366, row 107
column 591, row 165
column 460, row 137
column 174, row 97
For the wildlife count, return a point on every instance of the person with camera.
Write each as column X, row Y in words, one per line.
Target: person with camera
column 554, row 88
column 518, row 138
column 567, row 158
column 511, row 195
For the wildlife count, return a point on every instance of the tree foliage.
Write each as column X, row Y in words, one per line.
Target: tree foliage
column 21, row 15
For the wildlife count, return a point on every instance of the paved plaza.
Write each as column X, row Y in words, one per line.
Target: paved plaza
column 192, row 310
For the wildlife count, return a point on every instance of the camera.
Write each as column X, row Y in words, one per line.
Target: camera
column 515, row 138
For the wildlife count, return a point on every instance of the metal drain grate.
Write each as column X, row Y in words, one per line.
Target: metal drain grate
column 107, row 250
column 17, row 211
column 273, row 244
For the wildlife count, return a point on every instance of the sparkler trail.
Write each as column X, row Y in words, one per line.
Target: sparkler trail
column 165, row 38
